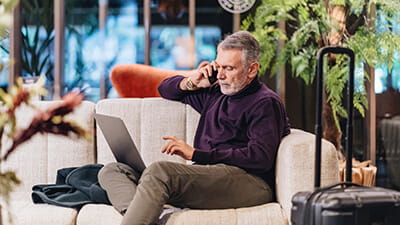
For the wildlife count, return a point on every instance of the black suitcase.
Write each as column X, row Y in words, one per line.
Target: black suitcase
column 343, row 203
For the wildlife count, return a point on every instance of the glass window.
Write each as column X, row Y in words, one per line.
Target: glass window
column 387, row 87
column 4, row 61
column 91, row 53
column 37, row 33
column 388, row 78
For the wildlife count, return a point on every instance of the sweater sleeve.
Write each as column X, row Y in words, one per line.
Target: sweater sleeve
column 267, row 124
column 169, row 89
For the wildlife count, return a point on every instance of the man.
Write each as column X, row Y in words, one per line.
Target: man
column 242, row 123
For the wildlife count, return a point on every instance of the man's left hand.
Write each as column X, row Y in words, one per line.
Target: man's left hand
column 178, row 147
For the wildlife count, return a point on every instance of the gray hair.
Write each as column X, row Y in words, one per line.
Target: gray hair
column 245, row 41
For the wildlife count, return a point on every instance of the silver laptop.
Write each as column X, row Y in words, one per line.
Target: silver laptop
column 120, row 142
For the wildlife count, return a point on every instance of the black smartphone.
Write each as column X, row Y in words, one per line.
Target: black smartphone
column 213, row 78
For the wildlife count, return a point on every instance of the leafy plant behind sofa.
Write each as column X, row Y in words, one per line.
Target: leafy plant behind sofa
column 312, row 24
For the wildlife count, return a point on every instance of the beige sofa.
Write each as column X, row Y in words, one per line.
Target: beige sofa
column 148, row 119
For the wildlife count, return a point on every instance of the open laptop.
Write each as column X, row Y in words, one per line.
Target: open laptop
column 120, row 142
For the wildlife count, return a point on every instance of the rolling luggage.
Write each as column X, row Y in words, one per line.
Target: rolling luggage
column 343, row 203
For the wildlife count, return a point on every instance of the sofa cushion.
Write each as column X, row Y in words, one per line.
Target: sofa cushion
column 147, row 120
column 203, row 217
column 98, row 215
column 26, row 213
column 266, row 214
column 37, row 160
column 192, row 121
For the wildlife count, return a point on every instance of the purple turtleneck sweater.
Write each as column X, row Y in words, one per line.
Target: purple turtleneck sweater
column 242, row 130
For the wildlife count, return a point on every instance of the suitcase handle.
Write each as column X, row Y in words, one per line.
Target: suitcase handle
column 349, row 124
column 319, row 190
column 347, row 184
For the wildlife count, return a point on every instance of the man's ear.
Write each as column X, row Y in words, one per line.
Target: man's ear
column 253, row 69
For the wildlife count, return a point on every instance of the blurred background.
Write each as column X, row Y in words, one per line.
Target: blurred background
column 75, row 44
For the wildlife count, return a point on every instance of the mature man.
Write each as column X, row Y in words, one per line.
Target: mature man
column 242, row 123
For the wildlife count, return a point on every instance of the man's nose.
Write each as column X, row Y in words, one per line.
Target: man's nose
column 220, row 74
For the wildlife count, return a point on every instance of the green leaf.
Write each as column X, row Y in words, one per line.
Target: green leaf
column 307, row 29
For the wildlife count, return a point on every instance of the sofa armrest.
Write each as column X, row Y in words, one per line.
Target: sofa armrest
column 295, row 166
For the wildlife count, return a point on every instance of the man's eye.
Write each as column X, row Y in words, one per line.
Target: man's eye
column 229, row 68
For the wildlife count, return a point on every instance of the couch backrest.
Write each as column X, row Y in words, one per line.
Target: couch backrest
column 37, row 160
column 148, row 120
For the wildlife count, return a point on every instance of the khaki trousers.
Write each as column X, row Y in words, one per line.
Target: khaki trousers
column 141, row 198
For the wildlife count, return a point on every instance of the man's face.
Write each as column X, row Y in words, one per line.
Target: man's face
column 232, row 74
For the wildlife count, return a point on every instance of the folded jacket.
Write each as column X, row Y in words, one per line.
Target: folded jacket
column 74, row 187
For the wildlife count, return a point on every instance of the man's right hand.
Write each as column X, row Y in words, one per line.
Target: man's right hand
column 199, row 77
column 178, row 147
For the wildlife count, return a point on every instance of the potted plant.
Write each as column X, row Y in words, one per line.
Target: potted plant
column 312, row 24
column 8, row 179
column 37, row 33
column 51, row 120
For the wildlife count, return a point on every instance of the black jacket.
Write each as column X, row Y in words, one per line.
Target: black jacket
column 74, row 187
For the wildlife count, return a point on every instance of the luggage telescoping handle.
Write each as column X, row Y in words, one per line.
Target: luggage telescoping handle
column 349, row 124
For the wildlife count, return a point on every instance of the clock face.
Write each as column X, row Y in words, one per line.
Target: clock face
column 236, row 6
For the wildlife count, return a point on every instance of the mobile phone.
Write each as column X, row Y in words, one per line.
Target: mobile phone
column 213, row 78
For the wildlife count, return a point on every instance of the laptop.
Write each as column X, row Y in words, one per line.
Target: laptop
column 119, row 141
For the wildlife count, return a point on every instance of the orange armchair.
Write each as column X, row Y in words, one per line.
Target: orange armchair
column 140, row 81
